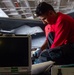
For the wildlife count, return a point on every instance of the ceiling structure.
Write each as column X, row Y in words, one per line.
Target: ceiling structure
column 26, row 8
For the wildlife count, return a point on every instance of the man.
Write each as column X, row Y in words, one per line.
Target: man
column 59, row 30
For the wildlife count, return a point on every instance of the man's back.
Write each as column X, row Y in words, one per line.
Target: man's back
column 68, row 23
column 63, row 29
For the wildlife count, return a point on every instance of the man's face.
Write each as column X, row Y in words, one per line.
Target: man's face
column 47, row 18
column 44, row 19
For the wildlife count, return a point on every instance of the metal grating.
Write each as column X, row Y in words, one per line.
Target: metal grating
column 26, row 8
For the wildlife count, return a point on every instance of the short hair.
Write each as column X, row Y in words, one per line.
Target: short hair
column 42, row 8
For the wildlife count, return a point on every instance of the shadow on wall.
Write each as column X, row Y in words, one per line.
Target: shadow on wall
column 9, row 23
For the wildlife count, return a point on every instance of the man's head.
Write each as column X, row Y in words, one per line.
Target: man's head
column 46, row 12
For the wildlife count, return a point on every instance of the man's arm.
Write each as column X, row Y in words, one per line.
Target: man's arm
column 44, row 46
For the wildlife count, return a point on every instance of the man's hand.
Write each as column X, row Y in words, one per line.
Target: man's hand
column 37, row 53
